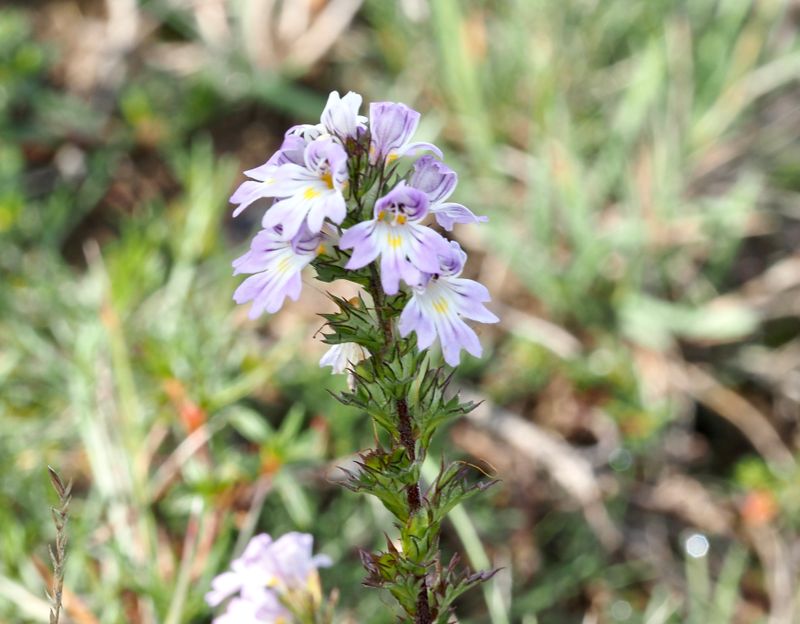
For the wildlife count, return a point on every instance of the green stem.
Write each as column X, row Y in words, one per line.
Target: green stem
column 405, row 429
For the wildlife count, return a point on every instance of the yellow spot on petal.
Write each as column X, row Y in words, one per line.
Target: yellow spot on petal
column 401, row 219
column 327, row 178
column 311, row 193
column 284, row 265
column 381, row 215
column 391, row 158
column 440, row 306
column 320, row 249
column 394, row 240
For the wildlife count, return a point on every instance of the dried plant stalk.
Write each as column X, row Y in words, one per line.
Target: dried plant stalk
column 58, row 556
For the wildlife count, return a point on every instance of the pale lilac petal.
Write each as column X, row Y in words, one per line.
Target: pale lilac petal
column 390, row 273
column 250, row 288
column 289, row 213
column 332, row 206
column 291, row 151
column 412, row 319
column 249, row 192
column 364, row 245
column 340, row 116
column 467, row 338
column 391, row 127
column 452, row 262
column 426, row 246
column 222, row 586
column 433, row 178
column 469, row 288
column 415, row 148
column 448, row 214
column 321, row 561
column 293, row 288
column 356, row 235
column 477, row 312
column 339, row 357
column 451, row 349
column 276, row 266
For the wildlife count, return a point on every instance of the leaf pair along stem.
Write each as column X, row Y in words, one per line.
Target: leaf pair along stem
column 405, row 429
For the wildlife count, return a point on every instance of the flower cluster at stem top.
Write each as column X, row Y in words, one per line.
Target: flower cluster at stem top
column 320, row 182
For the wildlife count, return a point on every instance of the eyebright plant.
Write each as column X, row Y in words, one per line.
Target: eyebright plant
column 358, row 200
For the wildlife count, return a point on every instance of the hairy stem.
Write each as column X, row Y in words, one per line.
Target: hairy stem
column 405, row 429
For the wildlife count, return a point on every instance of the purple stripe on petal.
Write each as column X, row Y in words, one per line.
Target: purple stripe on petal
column 363, row 253
column 412, row 149
column 433, row 178
column 412, row 319
column 448, row 214
column 390, row 273
column 391, row 126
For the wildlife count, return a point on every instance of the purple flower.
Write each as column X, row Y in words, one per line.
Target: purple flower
column 406, row 247
column 391, row 127
column 255, row 605
column 290, row 562
column 310, row 192
column 267, row 570
column 340, row 356
column 440, row 303
column 291, row 151
column 340, row 117
column 247, row 571
column 276, row 265
column 438, row 182
column 308, row 178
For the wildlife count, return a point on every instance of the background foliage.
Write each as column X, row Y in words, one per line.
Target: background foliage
column 640, row 166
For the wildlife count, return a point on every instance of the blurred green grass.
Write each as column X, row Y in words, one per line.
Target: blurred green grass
column 639, row 164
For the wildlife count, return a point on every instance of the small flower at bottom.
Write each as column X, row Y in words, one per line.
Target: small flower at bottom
column 255, row 605
column 406, row 247
column 439, row 304
column 344, row 356
column 341, row 356
column 276, row 265
column 268, row 575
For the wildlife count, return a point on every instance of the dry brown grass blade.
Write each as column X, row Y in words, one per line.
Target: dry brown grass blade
column 687, row 499
column 737, row 410
column 167, row 471
column 73, row 605
column 565, row 466
column 540, row 331
column 775, row 555
column 331, row 22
